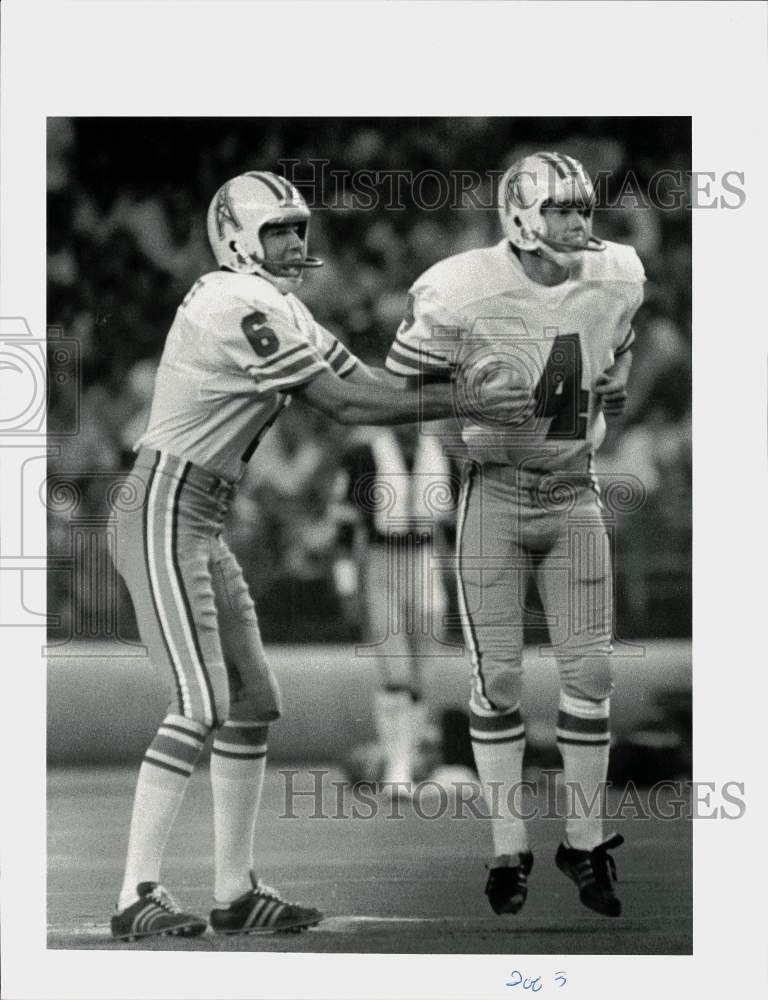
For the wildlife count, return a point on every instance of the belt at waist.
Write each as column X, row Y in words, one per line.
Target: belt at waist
column 529, row 479
column 195, row 475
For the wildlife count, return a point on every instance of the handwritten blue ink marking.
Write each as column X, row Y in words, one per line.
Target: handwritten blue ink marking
column 534, row 984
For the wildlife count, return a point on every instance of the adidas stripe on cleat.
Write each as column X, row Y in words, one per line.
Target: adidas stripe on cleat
column 594, row 872
column 154, row 913
column 507, row 885
column 262, row 911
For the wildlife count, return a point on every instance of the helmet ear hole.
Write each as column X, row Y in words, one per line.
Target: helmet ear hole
column 233, row 246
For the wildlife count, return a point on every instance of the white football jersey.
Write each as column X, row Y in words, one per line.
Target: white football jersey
column 479, row 317
column 235, row 347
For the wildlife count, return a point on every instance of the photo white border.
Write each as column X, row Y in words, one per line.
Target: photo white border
column 390, row 59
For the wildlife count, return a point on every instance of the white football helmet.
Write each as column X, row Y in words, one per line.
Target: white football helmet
column 536, row 182
column 238, row 212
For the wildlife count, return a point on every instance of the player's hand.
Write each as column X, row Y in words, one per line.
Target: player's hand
column 611, row 391
column 505, row 401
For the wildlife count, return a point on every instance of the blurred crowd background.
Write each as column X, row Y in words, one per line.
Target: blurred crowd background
column 127, row 200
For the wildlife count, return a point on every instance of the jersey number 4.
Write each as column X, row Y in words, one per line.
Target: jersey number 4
column 559, row 394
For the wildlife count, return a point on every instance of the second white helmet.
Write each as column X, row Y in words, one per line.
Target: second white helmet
column 536, row 182
column 239, row 211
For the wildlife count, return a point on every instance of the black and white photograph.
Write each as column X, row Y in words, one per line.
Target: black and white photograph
column 364, row 478
column 375, row 447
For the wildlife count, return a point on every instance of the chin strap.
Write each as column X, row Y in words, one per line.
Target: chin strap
column 279, row 265
column 593, row 243
column 282, row 266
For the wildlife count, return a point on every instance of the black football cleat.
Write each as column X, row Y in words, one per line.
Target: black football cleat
column 507, row 885
column 154, row 913
column 262, row 911
column 594, row 872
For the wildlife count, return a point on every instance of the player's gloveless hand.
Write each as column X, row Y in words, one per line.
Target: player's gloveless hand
column 611, row 390
column 500, row 397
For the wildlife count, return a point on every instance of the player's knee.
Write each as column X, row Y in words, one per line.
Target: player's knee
column 589, row 677
column 262, row 705
column 253, row 692
column 250, row 712
column 240, row 735
column 502, row 689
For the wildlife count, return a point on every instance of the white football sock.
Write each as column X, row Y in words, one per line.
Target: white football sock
column 394, row 725
column 583, row 738
column 498, row 744
column 238, row 765
column 163, row 778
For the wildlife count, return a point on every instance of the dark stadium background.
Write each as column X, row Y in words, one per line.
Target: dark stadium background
column 126, row 238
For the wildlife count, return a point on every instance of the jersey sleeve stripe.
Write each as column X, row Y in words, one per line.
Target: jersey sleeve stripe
column 278, row 384
column 419, row 352
column 336, row 350
column 332, row 350
column 287, row 370
column 340, row 360
column 279, row 358
column 626, row 343
column 401, row 363
column 299, row 356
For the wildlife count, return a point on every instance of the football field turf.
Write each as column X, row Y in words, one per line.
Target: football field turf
column 386, row 884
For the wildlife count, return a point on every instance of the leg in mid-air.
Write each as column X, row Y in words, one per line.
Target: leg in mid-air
column 493, row 569
column 244, row 904
column 576, row 584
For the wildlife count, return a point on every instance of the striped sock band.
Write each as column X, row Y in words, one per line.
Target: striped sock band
column 177, row 745
column 582, row 722
column 486, row 726
column 241, row 741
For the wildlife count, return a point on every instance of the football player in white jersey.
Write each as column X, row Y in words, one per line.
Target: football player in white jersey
column 548, row 310
column 240, row 346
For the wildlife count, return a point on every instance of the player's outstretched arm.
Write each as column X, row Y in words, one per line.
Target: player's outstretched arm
column 365, row 374
column 371, row 401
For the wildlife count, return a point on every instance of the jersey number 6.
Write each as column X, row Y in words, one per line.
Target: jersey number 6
column 261, row 337
column 559, row 394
